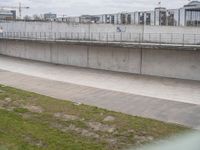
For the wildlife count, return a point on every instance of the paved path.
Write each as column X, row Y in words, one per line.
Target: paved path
column 163, row 88
column 164, row 110
column 157, row 98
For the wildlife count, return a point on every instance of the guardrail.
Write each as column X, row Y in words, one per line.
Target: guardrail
column 157, row 38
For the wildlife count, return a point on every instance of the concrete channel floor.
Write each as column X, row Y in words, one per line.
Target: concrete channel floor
column 171, row 100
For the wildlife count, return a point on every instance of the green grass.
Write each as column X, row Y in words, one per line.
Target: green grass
column 28, row 122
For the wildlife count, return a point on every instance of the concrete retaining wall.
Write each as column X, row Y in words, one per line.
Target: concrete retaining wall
column 22, row 26
column 175, row 64
column 166, row 63
column 189, row 35
column 115, row 59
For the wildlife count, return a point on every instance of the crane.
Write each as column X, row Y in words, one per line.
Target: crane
column 20, row 7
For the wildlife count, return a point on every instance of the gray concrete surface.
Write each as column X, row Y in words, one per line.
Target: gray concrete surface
column 183, row 64
column 167, row 63
column 164, row 110
column 185, row 91
column 34, row 26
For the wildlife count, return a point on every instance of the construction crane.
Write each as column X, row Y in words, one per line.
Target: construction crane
column 20, row 7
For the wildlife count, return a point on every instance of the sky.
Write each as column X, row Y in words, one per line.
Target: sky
column 92, row 7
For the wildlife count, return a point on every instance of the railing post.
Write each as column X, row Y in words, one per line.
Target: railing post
column 40, row 36
column 91, row 37
column 194, row 39
column 183, row 39
column 85, row 36
column 99, row 36
column 121, row 37
column 142, row 35
column 149, row 37
column 54, row 36
column 36, row 36
column 45, row 36
column 160, row 37
column 139, row 40
column 107, row 37
column 78, row 36
column 171, row 38
column 60, row 37
column 65, row 36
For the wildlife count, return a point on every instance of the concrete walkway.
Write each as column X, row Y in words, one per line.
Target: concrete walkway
column 163, row 88
column 130, row 93
column 168, row 111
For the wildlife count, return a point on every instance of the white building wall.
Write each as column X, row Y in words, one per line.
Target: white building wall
column 182, row 17
column 136, row 17
column 132, row 17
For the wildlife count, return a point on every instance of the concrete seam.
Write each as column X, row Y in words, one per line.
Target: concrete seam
column 51, row 53
column 141, row 61
column 88, row 65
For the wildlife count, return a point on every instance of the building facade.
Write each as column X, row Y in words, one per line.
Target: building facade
column 188, row 15
column 50, row 17
column 7, row 14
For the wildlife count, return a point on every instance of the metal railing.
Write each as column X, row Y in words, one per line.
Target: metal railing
column 153, row 38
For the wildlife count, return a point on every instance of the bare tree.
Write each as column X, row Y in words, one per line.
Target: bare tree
column 27, row 17
column 37, row 17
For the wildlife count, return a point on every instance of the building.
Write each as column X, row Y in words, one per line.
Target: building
column 107, row 18
column 50, row 17
column 89, row 19
column 173, row 17
column 160, row 16
column 7, row 14
column 68, row 19
column 190, row 14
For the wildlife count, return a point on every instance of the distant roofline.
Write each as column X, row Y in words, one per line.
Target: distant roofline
column 192, row 3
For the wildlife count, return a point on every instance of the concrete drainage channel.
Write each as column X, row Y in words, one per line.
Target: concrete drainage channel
column 164, row 110
column 175, row 100
column 182, row 64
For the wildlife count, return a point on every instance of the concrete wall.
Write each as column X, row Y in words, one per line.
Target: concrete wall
column 166, row 63
column 69, row 54
column 21, row 26
column 114, row 59
column 191, row 34
column 172, row 63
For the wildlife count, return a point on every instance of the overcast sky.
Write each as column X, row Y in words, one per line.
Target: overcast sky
column 79, row 7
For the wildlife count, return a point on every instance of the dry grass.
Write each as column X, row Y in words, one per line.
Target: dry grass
column 33, row 121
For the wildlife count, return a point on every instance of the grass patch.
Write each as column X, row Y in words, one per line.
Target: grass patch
column 20, row 110
column 32, row 121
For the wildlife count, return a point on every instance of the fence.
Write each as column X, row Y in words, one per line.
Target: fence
column 156, row 38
